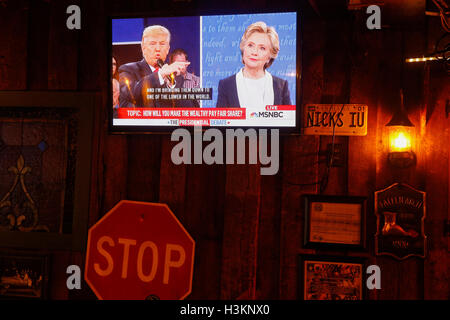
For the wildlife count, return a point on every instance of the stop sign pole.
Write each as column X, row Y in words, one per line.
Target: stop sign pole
column 137, row 251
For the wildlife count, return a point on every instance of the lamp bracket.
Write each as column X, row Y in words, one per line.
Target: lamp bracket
column 402, row 159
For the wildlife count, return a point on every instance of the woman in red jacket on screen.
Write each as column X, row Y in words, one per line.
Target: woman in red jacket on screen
column 253, row 87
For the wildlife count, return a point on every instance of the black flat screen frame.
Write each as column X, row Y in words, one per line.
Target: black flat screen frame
column 183, row 12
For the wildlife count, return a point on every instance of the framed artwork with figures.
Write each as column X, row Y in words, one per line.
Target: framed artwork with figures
column 24, row 276
column 331, row 278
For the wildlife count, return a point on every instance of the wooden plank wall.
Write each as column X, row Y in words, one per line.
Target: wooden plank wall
column 436, row 97
column 249, row 228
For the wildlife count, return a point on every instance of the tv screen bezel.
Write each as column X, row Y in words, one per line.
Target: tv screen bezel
column 154, row 129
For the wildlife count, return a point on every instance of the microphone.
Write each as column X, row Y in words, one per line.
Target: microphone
column 161, row 64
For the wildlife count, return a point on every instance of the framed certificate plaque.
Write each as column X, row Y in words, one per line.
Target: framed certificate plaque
column 334, row 221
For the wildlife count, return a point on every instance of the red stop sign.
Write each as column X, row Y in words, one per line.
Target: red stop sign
column 139, row 250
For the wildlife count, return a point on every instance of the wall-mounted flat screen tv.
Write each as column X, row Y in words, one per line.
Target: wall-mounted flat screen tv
column 230, row 70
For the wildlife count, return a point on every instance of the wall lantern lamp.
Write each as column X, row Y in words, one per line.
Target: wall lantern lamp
column 401, row 132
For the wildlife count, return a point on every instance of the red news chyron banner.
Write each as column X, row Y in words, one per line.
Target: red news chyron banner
column 181, row 113
column 192, row 113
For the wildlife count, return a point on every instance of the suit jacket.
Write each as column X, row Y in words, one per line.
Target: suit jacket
column 141, row 77
column 228, row 95
column 133, row 72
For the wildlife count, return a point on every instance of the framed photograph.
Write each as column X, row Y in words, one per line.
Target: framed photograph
column 335, row 221
column 331, row 278
column 23, row 276
column 45, row 169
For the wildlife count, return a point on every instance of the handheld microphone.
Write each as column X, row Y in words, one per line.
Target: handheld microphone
column 161, row 64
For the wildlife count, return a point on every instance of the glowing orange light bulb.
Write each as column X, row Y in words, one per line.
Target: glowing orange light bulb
column 401, row 142
column 400, row 139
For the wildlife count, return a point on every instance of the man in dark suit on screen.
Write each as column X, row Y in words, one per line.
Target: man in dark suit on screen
column 138, row 78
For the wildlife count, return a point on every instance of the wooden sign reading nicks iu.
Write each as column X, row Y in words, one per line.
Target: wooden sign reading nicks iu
column 335, row 119
column 400, row 211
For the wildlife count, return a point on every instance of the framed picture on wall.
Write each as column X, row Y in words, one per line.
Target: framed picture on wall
column 331, row 278
column 24, row 276
column 45, row 169
column 335, row 221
